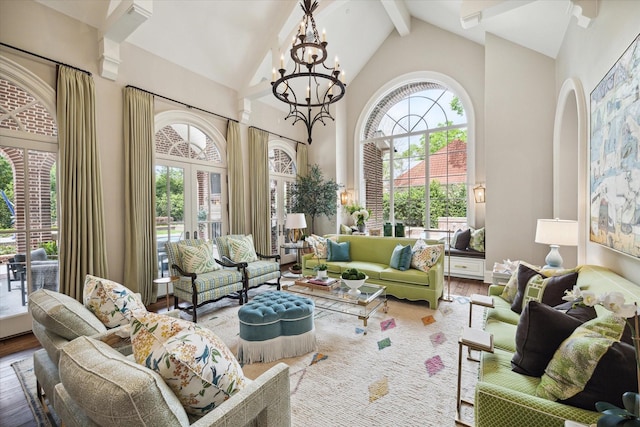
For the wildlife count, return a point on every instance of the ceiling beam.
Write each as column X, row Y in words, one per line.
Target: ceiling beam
column 472, row 12
column 119, row 25
column 584, row 11
column 399, row 15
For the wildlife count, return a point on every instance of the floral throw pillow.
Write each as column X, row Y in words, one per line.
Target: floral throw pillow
column 111, row 302
column 242, row 249
column 198, row 259
column 192, row 360
column 424, row 256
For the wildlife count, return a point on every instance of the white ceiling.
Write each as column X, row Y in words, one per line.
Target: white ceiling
column 230, row 41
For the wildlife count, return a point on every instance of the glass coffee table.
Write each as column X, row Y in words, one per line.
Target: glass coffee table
column 338, row 299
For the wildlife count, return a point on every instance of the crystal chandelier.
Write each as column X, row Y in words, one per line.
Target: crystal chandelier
column 322, row 86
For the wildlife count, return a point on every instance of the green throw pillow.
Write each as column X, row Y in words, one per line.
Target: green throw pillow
column 198, row 259
column 578, row 356
column 338, row 251
column 476, row 242
column 401, row 258
column 242, row 249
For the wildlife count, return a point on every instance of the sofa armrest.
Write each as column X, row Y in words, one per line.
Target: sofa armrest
column 497, row 406
column 266, row 401
column 495, row 290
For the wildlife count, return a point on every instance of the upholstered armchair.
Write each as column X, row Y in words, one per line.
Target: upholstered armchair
column 260, row 268
column 201, row 284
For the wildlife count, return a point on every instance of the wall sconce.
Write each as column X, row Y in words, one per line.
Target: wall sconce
column 344, row 197
column 479, row 193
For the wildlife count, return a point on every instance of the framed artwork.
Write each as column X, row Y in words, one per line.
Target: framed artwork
column 614, row 156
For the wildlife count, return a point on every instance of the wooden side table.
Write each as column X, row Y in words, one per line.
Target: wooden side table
column 474, row 339
column 166, row 281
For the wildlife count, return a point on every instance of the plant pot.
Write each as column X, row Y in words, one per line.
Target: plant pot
column 295, row 271
column 353, row 285
column 322, row 274
column 361, row 228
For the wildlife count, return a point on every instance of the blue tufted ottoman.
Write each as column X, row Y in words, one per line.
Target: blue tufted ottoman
column 275, row 325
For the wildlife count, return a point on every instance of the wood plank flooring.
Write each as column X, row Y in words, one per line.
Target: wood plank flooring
column 14, row 409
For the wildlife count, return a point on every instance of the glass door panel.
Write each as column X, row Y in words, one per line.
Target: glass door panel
column 211, row 202
column 280, row 206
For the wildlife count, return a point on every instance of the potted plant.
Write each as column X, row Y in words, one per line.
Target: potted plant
column 296, row 268
column 321, row 270
column 353, row 279
column 314, row 195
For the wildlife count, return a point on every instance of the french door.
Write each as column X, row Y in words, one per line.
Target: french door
column 191, row 200
column 280, row 206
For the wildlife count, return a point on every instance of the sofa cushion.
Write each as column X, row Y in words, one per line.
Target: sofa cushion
column 242, row 249
column 338, row 251
column 411, row 276
column 476, row 242
column 116, row 391
column 540, row 332
column 198, row 259
column 63, row 315
column 401, row 258
column 111, row 302
column 192, row 360
column 548, row 290
column 424, row 256
column 461, row 239
column 575, row 361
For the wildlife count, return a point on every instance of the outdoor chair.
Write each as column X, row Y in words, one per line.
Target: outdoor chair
column 44, row 272
column 203, row 288
column 265, row 268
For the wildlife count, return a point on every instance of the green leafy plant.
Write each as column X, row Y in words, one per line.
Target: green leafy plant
column 314, row 196
column 51, row 247
column 296, row 267
column 629, row 416
column 353, row 274
column 321, row 267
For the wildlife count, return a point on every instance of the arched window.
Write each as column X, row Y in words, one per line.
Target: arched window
column 191, row 178
column 414, row 159
column 28, row 190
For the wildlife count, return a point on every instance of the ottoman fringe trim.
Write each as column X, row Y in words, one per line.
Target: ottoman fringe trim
column 276, row 348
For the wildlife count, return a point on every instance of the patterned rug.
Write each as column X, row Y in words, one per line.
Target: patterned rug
column 27, row 379
column 403, row 371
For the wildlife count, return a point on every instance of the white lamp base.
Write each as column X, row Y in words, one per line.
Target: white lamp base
column 553, row 259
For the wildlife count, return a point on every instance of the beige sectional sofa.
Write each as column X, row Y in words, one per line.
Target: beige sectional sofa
column 372, row 254
column 87, row 373
column 505, row 398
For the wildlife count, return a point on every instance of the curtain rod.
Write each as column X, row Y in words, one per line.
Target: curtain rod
column 210, row 112
column 45, row 58
column 279, row 136
column 183, row 103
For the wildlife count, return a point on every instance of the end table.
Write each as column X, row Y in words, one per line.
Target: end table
column 166, row 281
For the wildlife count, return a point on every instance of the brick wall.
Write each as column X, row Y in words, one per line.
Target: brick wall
column 372, row 170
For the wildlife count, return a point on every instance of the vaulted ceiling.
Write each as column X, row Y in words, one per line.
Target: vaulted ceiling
column 236, row 42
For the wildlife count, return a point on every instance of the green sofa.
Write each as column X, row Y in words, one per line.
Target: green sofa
column 371, row 255
column 506, row 398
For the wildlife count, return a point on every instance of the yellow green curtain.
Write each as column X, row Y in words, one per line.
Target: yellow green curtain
column 302, row 160
column 82, row 231
column 236, row 179
column 260, row 197
column 140, row 250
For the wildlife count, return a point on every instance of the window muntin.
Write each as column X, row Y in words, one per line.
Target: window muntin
column 186, row 141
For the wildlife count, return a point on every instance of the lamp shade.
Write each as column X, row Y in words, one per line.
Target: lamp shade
column 295, row 221
column 557, row 232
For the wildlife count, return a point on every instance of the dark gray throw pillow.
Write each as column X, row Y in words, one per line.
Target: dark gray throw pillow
column 524, row 274
column 540, row 332
column 463, row 239
column 577, row 311
column 614, row 375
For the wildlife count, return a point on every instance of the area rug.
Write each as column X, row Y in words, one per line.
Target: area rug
column 27, row 379
column 403, row 371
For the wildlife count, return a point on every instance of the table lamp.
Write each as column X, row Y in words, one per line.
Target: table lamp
column 556, row 233
column 295, row 223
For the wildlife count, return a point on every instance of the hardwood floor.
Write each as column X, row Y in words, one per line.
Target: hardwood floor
column 14, row 409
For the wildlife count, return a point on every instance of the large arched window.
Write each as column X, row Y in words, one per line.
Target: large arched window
column 414, row 159
column 191, row 178
column 28, row 190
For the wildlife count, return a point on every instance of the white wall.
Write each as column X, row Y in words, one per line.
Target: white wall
column 588, row 54
column 38, row 29
column 519, row 113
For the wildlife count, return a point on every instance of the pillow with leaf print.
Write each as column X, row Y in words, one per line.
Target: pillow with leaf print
column 111, row 302
column 192, row 360
column 241, row 249
column 198, row 259
column 424, row 256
